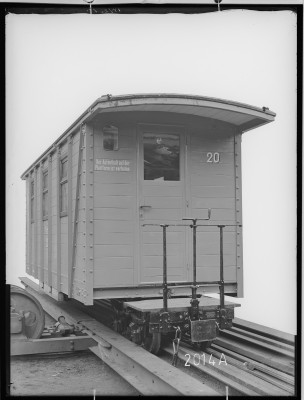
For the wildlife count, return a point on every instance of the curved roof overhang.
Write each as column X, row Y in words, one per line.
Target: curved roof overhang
column 243, row 116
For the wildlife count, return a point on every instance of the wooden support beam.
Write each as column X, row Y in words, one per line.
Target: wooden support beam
column 70, row 212
column 89, row 189
column 36, row 224
column 41, row 224
column 28, row 227
column 50, row 345
column 76, row 210
column 238, row 212
column 58, row 222
column 50, row 280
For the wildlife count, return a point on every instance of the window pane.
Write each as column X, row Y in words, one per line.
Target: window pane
column 32, row 209
column 63, row 197
column 45, row 181
column 32, row 189
column 45, row 204
column 161, row 157
column 64, row 169
column 110, row 137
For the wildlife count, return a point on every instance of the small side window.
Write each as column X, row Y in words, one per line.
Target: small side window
column 45, row 189
column 64, row 187
column 32, row 191
column 110, row 138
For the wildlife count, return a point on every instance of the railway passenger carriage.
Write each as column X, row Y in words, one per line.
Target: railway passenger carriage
column 98, row 198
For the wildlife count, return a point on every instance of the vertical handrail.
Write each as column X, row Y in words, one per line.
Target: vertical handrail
column 194, row 300
column 165, row 282
column 194, row 226
column 222, row 300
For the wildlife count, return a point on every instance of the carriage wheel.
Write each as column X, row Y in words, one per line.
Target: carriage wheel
column 152, row 342
column 23, row 303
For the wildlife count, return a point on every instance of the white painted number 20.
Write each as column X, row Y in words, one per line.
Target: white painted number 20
column 213, row 157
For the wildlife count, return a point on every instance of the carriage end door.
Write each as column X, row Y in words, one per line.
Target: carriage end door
column 162, row 199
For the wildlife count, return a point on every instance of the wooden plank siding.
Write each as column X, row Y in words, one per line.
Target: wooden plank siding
column 101, row 243
column 33, row 241
column 32, row 227
column 45, row 225
column 238, row 207
column 87, row 293
column 49, row 223
column 49, row 240
column 115, row 210
column 77, row 151
column 82, row 286
column 36, row 213
column 104, row 242
column 212, row 186
column 58, row 221
column 41, row 228
column 53, row 187
column 115, row 205
column 65, row 219
column 70, row 215
column 64, row 253
column 28, row 227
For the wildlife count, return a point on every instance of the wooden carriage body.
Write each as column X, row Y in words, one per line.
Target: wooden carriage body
column 96, row 197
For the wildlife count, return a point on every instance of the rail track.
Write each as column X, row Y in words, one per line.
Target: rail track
column 148, row 374
column 250, row 359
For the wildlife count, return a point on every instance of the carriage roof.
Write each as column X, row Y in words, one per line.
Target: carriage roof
column 243, row 116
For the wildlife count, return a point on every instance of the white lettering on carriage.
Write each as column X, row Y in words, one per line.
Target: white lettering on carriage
column 103, row 164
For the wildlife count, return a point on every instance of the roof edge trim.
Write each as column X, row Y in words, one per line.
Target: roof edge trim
column 110, row 99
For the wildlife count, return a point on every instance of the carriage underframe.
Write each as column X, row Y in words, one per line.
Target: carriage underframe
column 197, row 319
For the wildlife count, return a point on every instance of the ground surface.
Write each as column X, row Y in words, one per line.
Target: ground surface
column 76, row 373
column 72, row 374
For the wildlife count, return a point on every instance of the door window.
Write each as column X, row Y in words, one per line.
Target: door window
column 161, row 157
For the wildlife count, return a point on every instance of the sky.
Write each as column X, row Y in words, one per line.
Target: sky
column 57, row 65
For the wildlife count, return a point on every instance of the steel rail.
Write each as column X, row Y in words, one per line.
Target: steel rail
column 264, row 364
column 253, row 365
column 209, row 372
column 247, row 367
column 250, row 371
column 242, row 337
column 256, row 353
column 266, row 373
column 262, row 339
column 265, row 331
column 228, row 374
column 144, row 371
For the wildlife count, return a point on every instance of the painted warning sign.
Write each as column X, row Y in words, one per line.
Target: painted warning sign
column 110, row 165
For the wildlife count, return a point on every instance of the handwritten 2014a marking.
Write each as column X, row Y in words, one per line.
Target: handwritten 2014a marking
column 202, row 359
